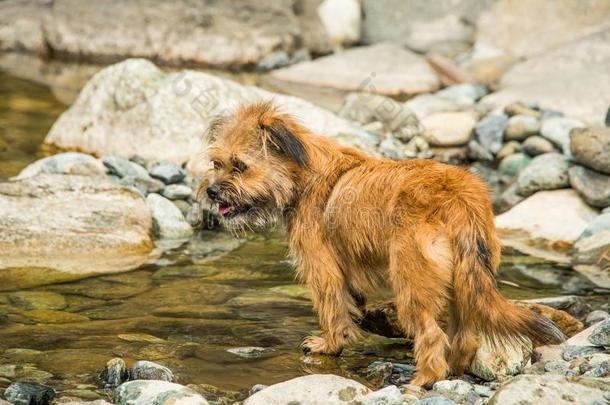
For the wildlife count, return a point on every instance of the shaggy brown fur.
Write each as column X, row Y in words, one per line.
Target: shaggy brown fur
column 357, row 224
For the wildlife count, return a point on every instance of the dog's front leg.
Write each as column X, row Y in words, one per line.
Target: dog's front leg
column 332, row 301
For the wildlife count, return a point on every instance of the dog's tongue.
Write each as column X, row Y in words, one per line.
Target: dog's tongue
column 223, row 209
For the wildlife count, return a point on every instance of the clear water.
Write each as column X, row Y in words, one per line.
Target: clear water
column 190, row 306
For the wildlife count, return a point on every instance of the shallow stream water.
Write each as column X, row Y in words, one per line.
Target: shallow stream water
column 190, row 306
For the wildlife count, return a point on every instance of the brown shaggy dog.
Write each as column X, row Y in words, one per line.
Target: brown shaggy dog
column 357, row 224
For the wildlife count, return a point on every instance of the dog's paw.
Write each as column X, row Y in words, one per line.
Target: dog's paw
column 317, row 345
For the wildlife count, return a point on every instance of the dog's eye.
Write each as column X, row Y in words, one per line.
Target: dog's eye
column 239, row 166
column 217, row 164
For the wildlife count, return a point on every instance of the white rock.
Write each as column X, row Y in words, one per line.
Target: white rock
column 499, row 364
column 448, row 129
column 389, row 395
column 169, row 223
column 134, row 108
column 315, row 389
column 342, row 20
column 458, row 387
column 146, row 392
column 546, row 224
column 557, row 130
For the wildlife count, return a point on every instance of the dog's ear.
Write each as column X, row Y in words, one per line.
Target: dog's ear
column 286, row 142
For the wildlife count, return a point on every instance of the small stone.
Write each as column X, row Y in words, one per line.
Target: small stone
column 168, row 221
column 274, row 60
column 537, row 145
column 144, row 185
column 477, row 152
column 449, row 128
column 573, row 352
column 123, row 167
column 464, row 94
column 379, row 373
column 521, row 109
column 557, row 366
column 114, row 373
column 545, row 172
column 489, row 132
column 519, row 127
column 592, row 186
column 389, row 395
column 24, row 393
column 427, row 104
column 499, row 363
column 457, row 387
column 483, row 390
column 250, row 352
column 148, row 370
column 393, row 149
column 601, row 370
column 557, row 130
column 147, row 392
column 177, row 192
column 38, row 300
column 256, row 388
column 508, row 149
column 596, row 316
column 591, row 148
column 601, row 334
column 513, row 164
column 167, row 172
column 435, row 401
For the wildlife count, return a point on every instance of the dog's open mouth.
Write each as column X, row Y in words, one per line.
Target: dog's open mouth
column 228, row 211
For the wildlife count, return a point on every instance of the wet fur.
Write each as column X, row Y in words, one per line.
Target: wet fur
column 357, row 224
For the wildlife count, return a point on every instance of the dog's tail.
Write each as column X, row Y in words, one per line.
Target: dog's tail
column 478, row 302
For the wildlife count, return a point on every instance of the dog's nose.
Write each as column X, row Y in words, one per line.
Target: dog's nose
column 213, row 191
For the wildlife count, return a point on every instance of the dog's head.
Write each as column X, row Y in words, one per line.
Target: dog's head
column 256, row 156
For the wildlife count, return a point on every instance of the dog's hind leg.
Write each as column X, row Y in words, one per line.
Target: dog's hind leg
column 420, row 274
column 332, row 300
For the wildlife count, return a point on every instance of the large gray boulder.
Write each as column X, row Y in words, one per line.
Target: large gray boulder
column 64, row 227
column 134, row 108
column 551, row 389
column 315, row 389
column 384, row 68
column 573, row 78
column 546, row 224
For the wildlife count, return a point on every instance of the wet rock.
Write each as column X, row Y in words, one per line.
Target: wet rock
column 146, row 392
column 499, row 364
column 167, row 172
column 543, row 389
column 123, row 167
column 114, row 373
column 594, row 187
column 537, row 145
column 545, row 172
column 557, row 130
column 148, row 370
column 596, row 316
column 590, row 256
column 508, row 149
column 395, row 117
column 250, row 352
column 489, row 132
column 573, row 352
column 448, row 129
column 379, row 373
column 169, row 223
column 477, row 152
column 162, row 116
column 50, row 316
column 514, row 164
column 65, row 163
column 38, row 300
column 390, row 395
column 519, row 127
column 546, row 224
column 591, row 148
column 311, row 389
column 384, row 68
column 69, row 221
column 341, row 20
column 177, row 192
column 601, row 334
column 23, row 393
